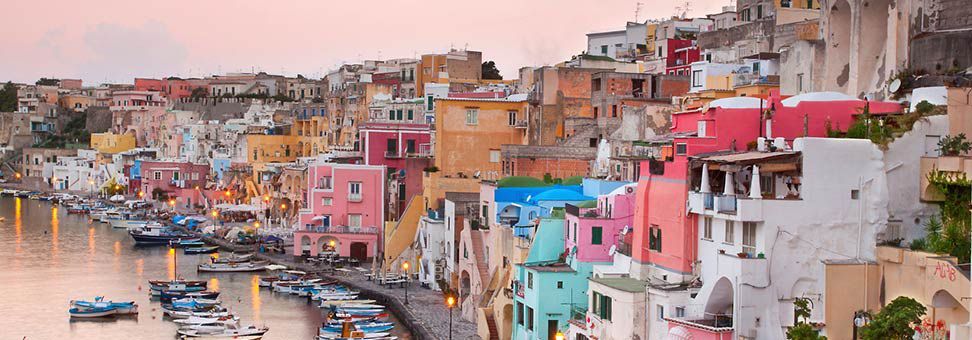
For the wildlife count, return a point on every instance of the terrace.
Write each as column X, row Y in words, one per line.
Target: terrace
column 743, row 183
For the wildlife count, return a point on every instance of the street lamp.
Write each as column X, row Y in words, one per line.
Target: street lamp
column 450, row 304
column 559, row 335
column 405, row 268
column 172, row 203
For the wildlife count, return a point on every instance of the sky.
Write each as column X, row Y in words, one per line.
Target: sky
column 116, row 40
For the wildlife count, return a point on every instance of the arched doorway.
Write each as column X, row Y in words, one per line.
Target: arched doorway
column 305, row 245
column 719, row 306
column 839, row 46
column 359, row 251
column 464, row 284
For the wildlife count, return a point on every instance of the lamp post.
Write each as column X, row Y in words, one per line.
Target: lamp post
column 266, row 202
column 450, row 304
column 405, row 268
column 172, row 203
column 559, row 335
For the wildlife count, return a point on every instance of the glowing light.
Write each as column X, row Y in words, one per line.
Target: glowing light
column 256, row 224
column 450, row 302
column 18, row 175
column 283, row 206
column 141, row 194
column 227, row 193
column 405, row 265
column 215, row 213
column 255, row 294
column 331, row 243
column 266, row 198
column 172, row 202
column 18, row 223
column 559, row 335
column 117, row 187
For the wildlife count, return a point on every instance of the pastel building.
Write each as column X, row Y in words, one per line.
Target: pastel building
column 180, row 180
column 345, row 210
column 112, row 143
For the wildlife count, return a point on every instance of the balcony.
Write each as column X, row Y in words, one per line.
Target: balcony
column 948, row 167
column 745, row 79
column 354, row 198
column 728, row 207
column 520, row 124
column 392, row 154
column 748, row 270
column 709, row 327
column 340, row 229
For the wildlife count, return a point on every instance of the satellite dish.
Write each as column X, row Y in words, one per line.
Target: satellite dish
column 894, row 86
column 476, row 175
column 625, row 230
column 613, row 250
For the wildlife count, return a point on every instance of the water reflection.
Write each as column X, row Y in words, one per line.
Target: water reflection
column 91, row 240
column 255, row 293
column 214, row 284
column 54, row 233
column 18, row 224
column 171, row 264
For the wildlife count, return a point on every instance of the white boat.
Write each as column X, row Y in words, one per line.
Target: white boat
column 196, row 320
column 197, row 301
column 247, row 331
column 178, row 314
column 232, row 267
column 344, row 302
column 335, row 296
column 371, row 336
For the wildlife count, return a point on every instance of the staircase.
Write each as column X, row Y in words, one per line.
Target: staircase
column 481, row 261
column 491, row 324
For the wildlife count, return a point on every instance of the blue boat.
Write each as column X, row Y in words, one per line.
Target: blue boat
column 95, row 312
column 187, row 242
column 129, row 307
column 151, row 235
column 167, row 296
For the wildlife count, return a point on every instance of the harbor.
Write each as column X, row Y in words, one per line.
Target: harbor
column 56, row 256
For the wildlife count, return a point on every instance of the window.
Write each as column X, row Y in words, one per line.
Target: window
column 494, row 156
column 157, row 175
column 575, row 232
column 679, row 312
column 560, row 284
column 530, row 280
column 701, row 128
column 604, row 49
column 400, row 117
column 472, row 116
column 602, row 306
column 324, row 183
column 614, row 110
column 354, row 220
column 696, row 78
column 759, row 11
column 681, row 149
column 519, row 313
column 511, row 117
column 410, row 146
column 749, row 237
column 660, row 310
column 529, row 320
column 655, row 238
column 411, row 114
column 756, row 68
column 799, row 82
column 326, row 201
column 730, row 231
column 707, row 228
column 392, row 146
column 596, row 235
column 855, row 194
column 354, row 191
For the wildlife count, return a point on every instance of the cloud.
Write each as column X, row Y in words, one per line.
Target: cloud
column 121, row 53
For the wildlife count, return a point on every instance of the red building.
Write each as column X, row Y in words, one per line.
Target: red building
column 681, row 55
column 403, row 148
column 172, row 88
column 183, row 181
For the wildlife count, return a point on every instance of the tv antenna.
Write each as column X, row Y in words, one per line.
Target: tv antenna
column 681, row 11
column 638, row 10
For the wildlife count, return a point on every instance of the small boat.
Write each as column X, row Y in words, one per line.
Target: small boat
column 92, row 312
column 368, row 336
column 8, row 192
column 343, row 302
column 232, row 267
column 78, row 209
column 186, row 242
column 195, row 320
column 127, row 224
column 375, row 329
column 348, row 330
column 200, row 250
column 24, row 194
column 129, row 307
column 194, row 303
column 161, row 285
column 327, row 296
column 239, row 333
column 182, row 314
column 360, row 325
column 167, row 296
column 355, row 317
column 233, row 258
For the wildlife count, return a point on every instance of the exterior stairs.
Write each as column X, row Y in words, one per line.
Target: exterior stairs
column 478, row 251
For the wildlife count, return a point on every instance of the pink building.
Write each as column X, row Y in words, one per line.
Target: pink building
column 345, row 211
column 593, row 231
column 136, row 100
column 405, row 149
column 183, row 181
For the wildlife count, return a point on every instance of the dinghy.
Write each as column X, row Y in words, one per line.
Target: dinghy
column 247, row 331
column 200, row 250
column 232, row 267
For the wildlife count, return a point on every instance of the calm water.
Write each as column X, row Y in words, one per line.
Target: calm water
column 49, row 257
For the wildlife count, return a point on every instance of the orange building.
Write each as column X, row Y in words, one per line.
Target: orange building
column 457, row 68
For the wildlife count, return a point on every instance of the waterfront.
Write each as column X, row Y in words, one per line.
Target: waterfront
column 51, row 257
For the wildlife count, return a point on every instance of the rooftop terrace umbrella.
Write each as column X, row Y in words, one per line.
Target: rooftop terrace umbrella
column 730, row 187
column 754, row 188
column 705, row 179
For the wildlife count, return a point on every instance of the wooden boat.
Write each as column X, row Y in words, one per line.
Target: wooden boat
column 229, row 320
column 124, row 308
column 92, row 312
column 153, row 235
column 161, row 285
column 186, row 242
column 182, row 314
column 225, row 333
column 200, row 250
column 233, row 258
column 232, row 267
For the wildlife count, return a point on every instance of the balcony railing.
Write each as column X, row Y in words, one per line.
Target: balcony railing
column 392, row 154
column 520, row 124
column 354, row 197
column 340, row 229
column 725, row 204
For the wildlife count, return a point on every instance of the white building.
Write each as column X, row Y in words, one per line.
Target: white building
column 79, row 173
column 621, row 44
column 703, row 74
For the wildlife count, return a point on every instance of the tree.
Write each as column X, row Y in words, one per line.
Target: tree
column 48, row 82
column 802, row 330
column 8, row 98
column 490, row 71
column 895, row 321
column 199, row 92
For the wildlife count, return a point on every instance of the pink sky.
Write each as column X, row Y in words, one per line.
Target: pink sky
column 116, row 40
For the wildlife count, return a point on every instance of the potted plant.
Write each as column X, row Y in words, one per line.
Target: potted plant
column 743, row 255
column 950, row 148
column 722, row 251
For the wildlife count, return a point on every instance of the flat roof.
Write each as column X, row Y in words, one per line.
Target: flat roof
column 626, row 284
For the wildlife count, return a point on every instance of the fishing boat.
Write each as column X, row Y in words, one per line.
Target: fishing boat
column 182, row 314
column 78, row 209
column 233, row 258
column 154, row 235
column 284, row 276
column 238, row 333
column 331, row 295
column 349, row 330
column 229, row 320
column 368, row 336
column 129, row 307
column 384, row 327
column 92, row 312
column 342, row 302
column 167, row 296
column 232, row 267
column 355, row 317
column 194, row 303
column 8, row 192
column 124, row 223
column 200, row 250
column 24, row 194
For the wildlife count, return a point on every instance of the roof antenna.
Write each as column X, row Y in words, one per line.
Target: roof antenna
column 637, row 10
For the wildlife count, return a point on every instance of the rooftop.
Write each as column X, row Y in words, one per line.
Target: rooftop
column 626, row 284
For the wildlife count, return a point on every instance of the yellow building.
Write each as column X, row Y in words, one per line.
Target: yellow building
column 468, row 137
column 313, row 136
column 112, row 143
